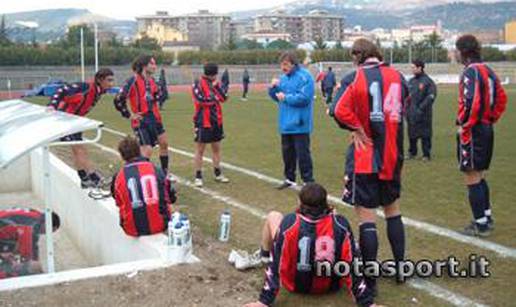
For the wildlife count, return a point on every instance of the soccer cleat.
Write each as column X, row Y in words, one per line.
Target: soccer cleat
column 286, row 184
column 88, row 183
column 473, row 230
column 221, row 178
column 198, row 182
column 490, row 224
column 245, row 261
column 234, row 254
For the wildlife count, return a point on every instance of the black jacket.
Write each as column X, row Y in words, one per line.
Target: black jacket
column 419, row 112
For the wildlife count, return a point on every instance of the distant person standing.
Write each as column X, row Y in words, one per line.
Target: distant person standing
column 328, row 84
column 294, row 94
column 419, row 112
column 208, row 95
column 245, row 83
column 319, row 78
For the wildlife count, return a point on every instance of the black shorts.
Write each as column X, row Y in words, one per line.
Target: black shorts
column 477, row 155
column 367, row 190
column 149, row 131
column 72, row 137
column 209, row 135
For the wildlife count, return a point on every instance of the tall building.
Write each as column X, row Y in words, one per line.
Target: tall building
column 510, row 32
column 317, row 24
column 204, row 29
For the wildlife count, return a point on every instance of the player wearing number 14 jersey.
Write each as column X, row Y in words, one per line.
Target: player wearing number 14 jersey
column 370, row 103
column 142, row 193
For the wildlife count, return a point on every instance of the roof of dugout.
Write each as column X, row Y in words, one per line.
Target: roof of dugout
column 25, row 126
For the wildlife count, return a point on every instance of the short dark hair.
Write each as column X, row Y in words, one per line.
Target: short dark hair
column 419, row 63
column 469, row 47
column 140, row 62
column 313, row 198
column 329, row 68
column 211, row 69
column 363, row 49
column 289, row 56
column 129, row 148
column 103, row 73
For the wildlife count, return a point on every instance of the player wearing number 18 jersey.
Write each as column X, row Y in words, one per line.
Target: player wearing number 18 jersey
column 370, row 103
column 142, row 192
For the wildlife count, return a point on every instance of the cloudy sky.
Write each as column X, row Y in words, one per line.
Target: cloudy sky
column 122, row 9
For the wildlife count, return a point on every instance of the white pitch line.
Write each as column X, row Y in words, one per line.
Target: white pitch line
column 499, row 249
column 419, row 284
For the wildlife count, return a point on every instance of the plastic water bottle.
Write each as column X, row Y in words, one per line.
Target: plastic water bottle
column 178, row 235
column 225, row 226
column 186, row 224
column 170, row 232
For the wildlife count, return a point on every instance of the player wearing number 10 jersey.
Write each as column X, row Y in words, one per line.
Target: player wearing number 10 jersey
column 142, row 192
column 370, row 103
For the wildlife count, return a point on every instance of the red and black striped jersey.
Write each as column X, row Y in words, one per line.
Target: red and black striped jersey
column 482, row 99
column 208, row 96
column 76, row 98
column 141, row 195
column 302, row 241
column 20, row 229
column 144, row 95
column 373, row 98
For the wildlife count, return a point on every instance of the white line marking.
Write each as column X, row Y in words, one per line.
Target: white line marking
column 501, row 250
column 426, row 286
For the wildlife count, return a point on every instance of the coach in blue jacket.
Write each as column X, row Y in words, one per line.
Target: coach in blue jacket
column 294, row 94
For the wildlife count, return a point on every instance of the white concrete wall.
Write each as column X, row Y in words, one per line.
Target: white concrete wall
column 92, row 225
column 16, row 177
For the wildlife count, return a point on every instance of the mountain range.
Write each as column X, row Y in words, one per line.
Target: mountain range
column 471, row 15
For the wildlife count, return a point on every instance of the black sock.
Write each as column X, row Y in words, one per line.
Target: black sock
column 82, row 174
column 94, row 177
column 164, row 163
column 217, row 171
column 369, row 246
column 264, row 253
column 198, row 174
column 396, row 235
column 477, row 201
column 487, row 207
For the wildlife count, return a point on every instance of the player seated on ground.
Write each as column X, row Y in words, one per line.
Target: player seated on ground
column 78, row 99
column 20, row 229
column 142, row 192
column 289, row 240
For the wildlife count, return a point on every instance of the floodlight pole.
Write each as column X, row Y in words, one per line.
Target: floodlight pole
column 82, row 54
column 96, row 48
column 48, row 212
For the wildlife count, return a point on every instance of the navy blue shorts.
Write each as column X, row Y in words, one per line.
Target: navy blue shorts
column 72, row 137
column 209, row 135
column 149, row 131
column 477, row 155
column 367, row 190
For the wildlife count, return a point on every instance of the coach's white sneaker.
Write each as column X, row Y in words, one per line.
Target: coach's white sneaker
column 234, row 254
column 246, row 261
column 198, row 183
column 221, row 178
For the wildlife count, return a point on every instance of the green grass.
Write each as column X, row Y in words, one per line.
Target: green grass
column 432, row 192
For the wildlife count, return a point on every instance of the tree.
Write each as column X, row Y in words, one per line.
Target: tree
column 319, row 43
column 4, row 38
column 249, row 44
column 146, row 42
column 492, row 54
column 338, row 45
column 73, row 36
column 280, row 45
column 434, row 41
column 231, row 45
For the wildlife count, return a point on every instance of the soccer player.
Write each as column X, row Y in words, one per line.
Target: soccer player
column 482, row 101
column 370, row 104
column 291, row 240
column 208, row 96
column 294, row 95
column 79, row 98
column 419, row 111
column 144, row 96
column 20, row 229
column 142, row 192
